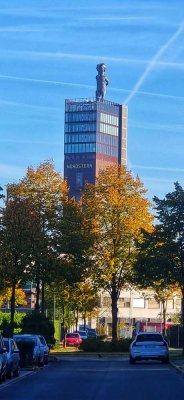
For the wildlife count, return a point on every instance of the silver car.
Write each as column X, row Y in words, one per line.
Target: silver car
column 13, row 358
column 46, row 348
column 149, row 346
column 3, row 360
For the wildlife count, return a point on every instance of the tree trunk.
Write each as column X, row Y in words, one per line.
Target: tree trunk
column 43, row 298
column 76, row 320
column 164, row 317
column 84, row 318
column 12, row 312
column 37, row 304
column 114, row 299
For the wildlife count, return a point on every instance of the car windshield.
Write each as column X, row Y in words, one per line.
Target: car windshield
column 72, row 335
column 149, row 338
column 25, row 339
column 42, row 340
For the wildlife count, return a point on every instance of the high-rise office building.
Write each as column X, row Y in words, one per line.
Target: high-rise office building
column 95, row 136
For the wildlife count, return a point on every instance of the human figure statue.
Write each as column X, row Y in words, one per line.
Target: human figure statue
column 102, row 81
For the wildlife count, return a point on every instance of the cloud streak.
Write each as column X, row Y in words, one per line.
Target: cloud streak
column 80, row 85
column 154, row 168
column 153, row 62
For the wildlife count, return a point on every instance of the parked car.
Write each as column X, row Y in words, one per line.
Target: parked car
column 31, row 349
column 13, row 358
column 73, row 339
column 91, row 333
column 149, row 346
column 83, row 334
column 3, row 360
column 46, row 349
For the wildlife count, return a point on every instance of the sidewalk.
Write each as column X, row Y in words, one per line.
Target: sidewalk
column 178, row 365
column 177, row 359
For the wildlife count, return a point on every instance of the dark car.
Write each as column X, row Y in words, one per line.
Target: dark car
column 3, row 360
column 91, row 333
column 31, row 349
column 13, row 358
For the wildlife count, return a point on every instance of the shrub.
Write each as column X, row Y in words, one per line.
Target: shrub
column 39, row 325
column 5, row 323
column 98, row 345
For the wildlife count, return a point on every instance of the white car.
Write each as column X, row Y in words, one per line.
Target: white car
column 149, row 346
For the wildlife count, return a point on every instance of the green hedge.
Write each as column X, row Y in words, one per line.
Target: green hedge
column 98, row 345
column 5, row 322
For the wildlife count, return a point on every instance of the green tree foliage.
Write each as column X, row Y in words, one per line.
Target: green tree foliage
column 72, row 238
column 153, row 268
column 5, row 325
column 118, row 211
column 14, row 244
column 170, row 213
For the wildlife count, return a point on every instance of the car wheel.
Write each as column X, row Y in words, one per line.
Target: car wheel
column 40, row 363
column 9, row 374
column 4, row 377
column 46, row 361
column 132, row 360
column 16, row 373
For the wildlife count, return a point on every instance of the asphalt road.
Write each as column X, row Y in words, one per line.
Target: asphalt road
column 97, row 379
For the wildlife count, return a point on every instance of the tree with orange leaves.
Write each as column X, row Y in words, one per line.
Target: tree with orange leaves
column 20, row 297
column 119, row 211
column 45, row 190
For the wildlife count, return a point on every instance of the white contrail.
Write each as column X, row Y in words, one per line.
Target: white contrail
column 84, row 86
column 153, row 62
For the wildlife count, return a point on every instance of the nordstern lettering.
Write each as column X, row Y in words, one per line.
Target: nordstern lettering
column 70, row 166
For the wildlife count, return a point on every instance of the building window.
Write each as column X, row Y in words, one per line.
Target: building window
column 152, row 303
column 106, row 301
column 124, row 302
column 138, row 303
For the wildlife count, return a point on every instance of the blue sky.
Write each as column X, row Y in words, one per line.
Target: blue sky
column 48, row 52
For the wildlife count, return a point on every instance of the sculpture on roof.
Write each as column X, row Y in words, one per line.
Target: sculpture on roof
column 102, row 81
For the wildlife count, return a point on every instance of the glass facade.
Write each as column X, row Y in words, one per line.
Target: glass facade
column 95, row 135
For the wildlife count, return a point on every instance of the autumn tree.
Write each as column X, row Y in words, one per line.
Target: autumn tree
column 85, row 300
column 46, row 190
column 119, row 211
column 20, row 297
